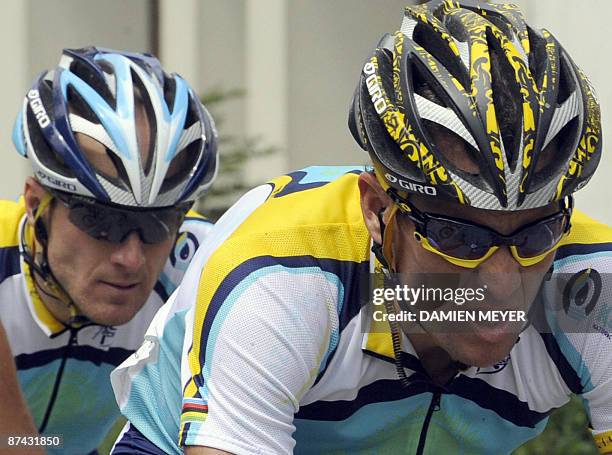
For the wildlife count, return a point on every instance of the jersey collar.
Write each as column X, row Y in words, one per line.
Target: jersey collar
column 377, row 339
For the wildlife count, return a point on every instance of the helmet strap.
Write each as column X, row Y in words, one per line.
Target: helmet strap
column 40, row 266
column 384, row 250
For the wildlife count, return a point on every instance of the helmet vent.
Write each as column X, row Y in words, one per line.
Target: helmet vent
column 507, row 100
column 121, row 179
column 144, row 102
column 423, row 88
column 106, row 67
column 181, row 166
column 555, row 155
column 169, row 91
column 78, row 106
column 455, row 152
column 567, row 86
column 456, row 28
column 93, row 79
column 538, row 57
column 48, row 157
column 439, row 48
column 192, row 112
column 46, row 96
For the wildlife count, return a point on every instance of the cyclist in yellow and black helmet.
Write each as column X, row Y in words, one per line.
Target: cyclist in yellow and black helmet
column 525, row 114
column 480, row 128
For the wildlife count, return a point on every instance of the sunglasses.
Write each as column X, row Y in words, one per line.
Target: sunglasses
column 114, row 224
column 469, row 244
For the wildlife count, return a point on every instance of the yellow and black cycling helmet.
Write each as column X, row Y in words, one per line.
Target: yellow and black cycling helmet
column 525, row 116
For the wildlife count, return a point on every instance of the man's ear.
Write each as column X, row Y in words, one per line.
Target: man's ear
column 373, row 200
column 33, row 193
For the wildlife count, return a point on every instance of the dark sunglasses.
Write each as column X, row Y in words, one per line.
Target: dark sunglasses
column 114, row 224
column 469, row 244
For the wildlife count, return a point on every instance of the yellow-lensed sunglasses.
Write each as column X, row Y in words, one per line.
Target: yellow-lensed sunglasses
column 468, row 244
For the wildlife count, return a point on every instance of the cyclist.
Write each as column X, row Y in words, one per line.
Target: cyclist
column 120, row 150
column 480, row 128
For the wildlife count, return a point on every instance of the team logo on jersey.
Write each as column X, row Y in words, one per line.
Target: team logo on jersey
column 499, row 366
column 582, row 292
column 184, row 249
column 105, row 336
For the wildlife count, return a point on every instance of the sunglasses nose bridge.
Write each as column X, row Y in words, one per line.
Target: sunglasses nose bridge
column 134, row 230
column 501, row 241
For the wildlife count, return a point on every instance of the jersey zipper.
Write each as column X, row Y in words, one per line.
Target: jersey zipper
column 58, row 379
column 434, row 405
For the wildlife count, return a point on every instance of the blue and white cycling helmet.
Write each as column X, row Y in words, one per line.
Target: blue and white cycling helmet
column 95, row 92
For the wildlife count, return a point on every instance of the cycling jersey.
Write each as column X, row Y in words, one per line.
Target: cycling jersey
column 275, row 358
column 64, row 372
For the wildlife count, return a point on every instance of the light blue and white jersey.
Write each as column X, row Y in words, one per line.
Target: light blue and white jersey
column 71, row 368
column 269, row 321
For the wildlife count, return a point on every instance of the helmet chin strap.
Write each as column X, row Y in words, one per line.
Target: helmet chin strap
column 385, row 255
column 384, row 250
column 50, row 285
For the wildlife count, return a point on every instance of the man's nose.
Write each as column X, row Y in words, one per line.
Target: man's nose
column 501, row 274
column 130, row 253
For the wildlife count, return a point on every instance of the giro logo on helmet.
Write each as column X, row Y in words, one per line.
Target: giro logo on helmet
column 47, row 179
column 374, row 88
column 410, row 186
column 37, row 107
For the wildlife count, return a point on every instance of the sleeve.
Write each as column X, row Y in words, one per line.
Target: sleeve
column 590, row 356
column 585, row 364
column 581, row 311
column 596, row 378
column 256, row 350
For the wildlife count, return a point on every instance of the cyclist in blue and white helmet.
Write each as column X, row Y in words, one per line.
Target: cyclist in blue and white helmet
column 120, row 150
column 123, row 149
column 96, row 92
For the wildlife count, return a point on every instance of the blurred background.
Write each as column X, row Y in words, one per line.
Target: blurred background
column 281, row 72
column 280, row 75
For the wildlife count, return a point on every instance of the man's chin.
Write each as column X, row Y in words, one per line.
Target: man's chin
column 471, row 350
column 111, row 313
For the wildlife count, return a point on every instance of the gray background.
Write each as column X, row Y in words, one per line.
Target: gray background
column 298, row 61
